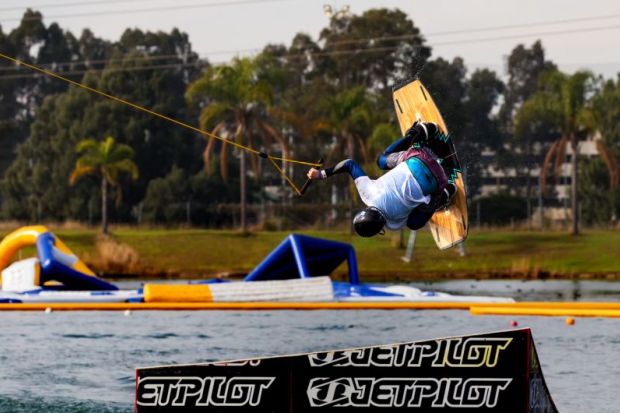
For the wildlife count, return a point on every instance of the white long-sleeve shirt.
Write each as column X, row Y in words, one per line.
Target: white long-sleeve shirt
column 395, row 194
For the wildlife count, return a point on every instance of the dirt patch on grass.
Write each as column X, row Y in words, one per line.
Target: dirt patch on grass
column 114, row 257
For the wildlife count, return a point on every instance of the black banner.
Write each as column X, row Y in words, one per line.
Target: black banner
column 496, row 372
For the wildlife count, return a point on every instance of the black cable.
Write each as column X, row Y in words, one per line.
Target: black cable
column 61, row 5
column 362, row 50
column 151, row 9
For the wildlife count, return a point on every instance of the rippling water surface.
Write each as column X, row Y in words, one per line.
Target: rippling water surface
column 85, row 361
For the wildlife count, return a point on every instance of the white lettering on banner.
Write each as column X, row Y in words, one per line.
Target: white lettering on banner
column 237, row 363
column 453, row 352
column 202, row 391
column 397, row 392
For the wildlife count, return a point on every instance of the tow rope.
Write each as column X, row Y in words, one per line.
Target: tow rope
column 253, row 151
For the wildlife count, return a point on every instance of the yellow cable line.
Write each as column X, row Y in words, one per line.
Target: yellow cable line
column 271, row 158
column 167, row 118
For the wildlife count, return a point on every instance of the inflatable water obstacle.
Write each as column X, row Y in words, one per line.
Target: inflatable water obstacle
column 56, row 274
column 493, row 372
column 294, row 275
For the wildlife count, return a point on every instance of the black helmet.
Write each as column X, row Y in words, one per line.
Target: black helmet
column 368, row 222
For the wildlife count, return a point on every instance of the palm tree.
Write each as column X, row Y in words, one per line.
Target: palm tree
column 108, row 160
column 533, row 126
column 349, row 116
column 606, row 105
column 237, row 104
column 562, row 101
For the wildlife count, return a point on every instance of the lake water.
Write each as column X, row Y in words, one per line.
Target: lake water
column 85, row 361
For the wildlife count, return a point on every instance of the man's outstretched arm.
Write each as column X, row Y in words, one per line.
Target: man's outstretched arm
column 348, row 165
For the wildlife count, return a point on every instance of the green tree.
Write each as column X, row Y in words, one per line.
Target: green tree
column 524, row 66
column 447, row 83
column 197, row 200
column 383, row 134
column 480, row 128
column 500, row 209
column 235, row 100
column 466, row 104
column 349, row 117
column 165, row 196
column 303, row 60
column 35, row 183
column 606, row 106
column 534, row 127
column 108, row 160
column 21, row 92
column 600, row 201
column 92, row 49
column 564, row 102
column 374, row 49
column 297, row 76
column 527, row 143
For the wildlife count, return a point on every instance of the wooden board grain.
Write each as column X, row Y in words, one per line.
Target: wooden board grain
column 413, row 102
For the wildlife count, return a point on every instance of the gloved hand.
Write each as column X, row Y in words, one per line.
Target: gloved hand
column 438, row 200
column 446, row 195
column 315, row 173
column 413, row 131
column 421, row 132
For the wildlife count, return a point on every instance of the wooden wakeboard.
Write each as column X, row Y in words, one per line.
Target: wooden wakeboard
column 412, row 102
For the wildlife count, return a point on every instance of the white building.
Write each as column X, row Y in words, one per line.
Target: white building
column 556, row 203
column 496, row 180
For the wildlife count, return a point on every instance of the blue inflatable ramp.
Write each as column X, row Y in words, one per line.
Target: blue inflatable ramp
column 303, row 256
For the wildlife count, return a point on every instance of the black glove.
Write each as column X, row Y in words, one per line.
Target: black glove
column 439, row 200
column 421, row 132
column 446, row 195
column 412, row 132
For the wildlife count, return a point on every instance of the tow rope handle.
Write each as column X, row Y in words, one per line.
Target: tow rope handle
column 306, row 185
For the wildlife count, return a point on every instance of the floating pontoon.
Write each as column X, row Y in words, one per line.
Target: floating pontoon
column 295, row 271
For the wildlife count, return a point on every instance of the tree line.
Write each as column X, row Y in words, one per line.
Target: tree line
column 328, row 97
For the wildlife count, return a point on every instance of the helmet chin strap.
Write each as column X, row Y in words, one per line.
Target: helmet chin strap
column 382, row 232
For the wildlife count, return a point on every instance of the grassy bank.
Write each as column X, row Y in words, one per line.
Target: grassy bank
column 193, row 252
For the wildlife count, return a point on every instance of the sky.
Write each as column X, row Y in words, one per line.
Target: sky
column 576, row 34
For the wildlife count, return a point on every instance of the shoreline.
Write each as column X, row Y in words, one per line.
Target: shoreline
column 151, row 254
column 383, row 278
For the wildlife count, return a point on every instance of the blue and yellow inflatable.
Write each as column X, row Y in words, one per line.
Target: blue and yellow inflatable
column 56, row 262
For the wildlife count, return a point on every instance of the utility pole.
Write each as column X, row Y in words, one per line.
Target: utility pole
column 410, row 245
column 540, row 204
